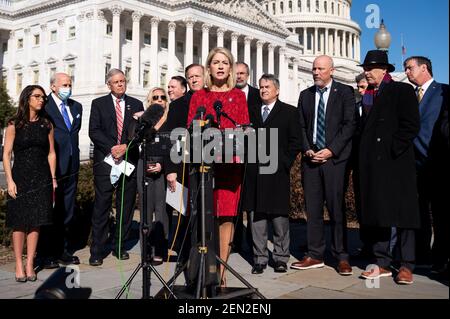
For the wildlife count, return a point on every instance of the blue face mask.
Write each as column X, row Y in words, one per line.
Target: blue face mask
column 114, row 175
column 64, row 93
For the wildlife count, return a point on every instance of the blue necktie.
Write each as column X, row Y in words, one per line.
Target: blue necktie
column 265, row 113
column 65, row 115
column 320, row 134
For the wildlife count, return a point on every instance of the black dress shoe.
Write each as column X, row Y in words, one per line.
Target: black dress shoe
column 50, row 263
column 68, row 259
column 258, row 269
column 123, row 255
column 95, row 261
column 280, row 267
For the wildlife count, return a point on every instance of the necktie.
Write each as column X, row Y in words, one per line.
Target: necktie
column 119, row 118
column 265, row 113
column 419, row 93
column 65, row 115
column 320, row 134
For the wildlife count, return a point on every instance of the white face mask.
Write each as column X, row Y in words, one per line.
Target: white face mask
column 64, row 93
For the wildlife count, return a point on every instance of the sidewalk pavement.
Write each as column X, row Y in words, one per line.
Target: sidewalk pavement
column 324, row 283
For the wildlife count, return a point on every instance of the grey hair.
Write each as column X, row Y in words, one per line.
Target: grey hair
column 55, row 75
column 270, row 77
column 113, row 72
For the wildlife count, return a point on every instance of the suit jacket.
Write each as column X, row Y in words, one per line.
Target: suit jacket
column 66, row 141
column 253, row 97
column 387, row 172
column 429, row 109
column 340, row 120
column 103, row 130
column 270, row 193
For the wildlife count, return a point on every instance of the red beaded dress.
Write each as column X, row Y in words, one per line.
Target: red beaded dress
column 227, row 177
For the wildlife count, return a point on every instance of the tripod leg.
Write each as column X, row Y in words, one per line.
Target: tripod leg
column 241, row 279
column 128, row 283
column 161, row 279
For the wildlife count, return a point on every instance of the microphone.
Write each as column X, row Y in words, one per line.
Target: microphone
column 149, row 118
column 198, row 115
column 218, row 107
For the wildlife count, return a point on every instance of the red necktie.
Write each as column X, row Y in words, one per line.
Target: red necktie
column 119, row 121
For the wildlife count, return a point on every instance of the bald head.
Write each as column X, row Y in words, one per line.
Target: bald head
column 323, row 68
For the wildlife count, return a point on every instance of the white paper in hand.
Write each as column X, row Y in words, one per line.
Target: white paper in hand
column 125, row 169
column 174, row 199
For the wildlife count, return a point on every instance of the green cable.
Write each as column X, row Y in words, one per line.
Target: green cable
column 122, row 277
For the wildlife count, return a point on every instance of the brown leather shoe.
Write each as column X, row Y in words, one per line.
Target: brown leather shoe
column 307, row 263
column 376, row 272
column 404, row 276
column 344, row 268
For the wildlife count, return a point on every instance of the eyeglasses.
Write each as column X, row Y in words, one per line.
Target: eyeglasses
column 157, row 97
column 39, row 97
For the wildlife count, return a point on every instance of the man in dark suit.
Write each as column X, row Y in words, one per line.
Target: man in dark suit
column 65, row 114
column 430, row 95
column 108, row 126
column 251, row 93
column 195, row 78
column 253, row 100
column 268, row 193
column 327, row 118
column 387, row 172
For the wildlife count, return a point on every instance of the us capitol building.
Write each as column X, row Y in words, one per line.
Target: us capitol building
column 152, row 40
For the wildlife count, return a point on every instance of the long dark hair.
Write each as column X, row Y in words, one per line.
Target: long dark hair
column 23, row 111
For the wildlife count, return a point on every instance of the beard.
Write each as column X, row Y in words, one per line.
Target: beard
column 241, row 85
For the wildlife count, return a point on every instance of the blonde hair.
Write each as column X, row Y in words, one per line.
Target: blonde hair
column 231, row 81
column 149, row 102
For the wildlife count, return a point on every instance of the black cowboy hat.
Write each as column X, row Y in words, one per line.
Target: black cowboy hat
column 374, row 57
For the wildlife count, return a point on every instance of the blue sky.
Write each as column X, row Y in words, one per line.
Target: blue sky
column 424, row 25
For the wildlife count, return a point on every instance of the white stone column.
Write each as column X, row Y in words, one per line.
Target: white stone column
column 154, row 68
column 171, row 49
column 316, row 41
column 349, row 46
column 189, row 45
column 234, row 48
column 344, row 44
column 220, row 33
column 27, row 73
column 305, row 39
column 327, row 44
column 336, row 43
column 282, row 74
column 61, row 43
column 136, row 49
column 358, row 49
column 295, row 92
column 95, row 61
column 259, row 59
column 81, row 71
column 12, row 48
column 248, row 50
column 44, row 49
column 322, row 42
column 205, row 41
column 271, row 59
column 116, row 10
column 352, row 47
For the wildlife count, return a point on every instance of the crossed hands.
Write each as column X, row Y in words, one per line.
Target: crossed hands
column 319, row 157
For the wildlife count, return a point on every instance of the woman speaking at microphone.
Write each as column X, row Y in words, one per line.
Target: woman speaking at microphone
column 220, row 87
column 156, row 189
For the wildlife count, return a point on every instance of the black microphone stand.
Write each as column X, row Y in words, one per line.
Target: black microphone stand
column 145, row 264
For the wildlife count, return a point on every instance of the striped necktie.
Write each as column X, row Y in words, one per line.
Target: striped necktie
column 320, row 134
column 119, row 118
column 265, row 113
column 65, row 115
column 419, row 93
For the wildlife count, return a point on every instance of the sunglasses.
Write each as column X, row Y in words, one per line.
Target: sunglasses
column 157, row 97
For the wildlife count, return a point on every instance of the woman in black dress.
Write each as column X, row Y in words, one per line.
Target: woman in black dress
column 31, row 181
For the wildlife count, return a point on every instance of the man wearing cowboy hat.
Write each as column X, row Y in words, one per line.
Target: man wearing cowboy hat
column 390, row 122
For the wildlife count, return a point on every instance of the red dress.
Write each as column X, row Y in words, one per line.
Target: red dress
column 227, row 177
